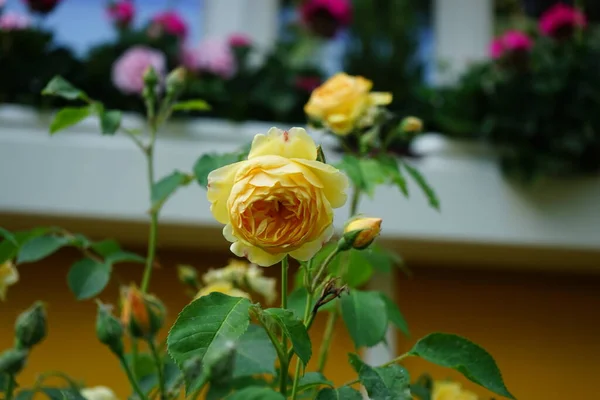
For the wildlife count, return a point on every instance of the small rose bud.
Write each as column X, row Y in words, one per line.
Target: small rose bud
column 109, row 330
column 176, row 81
column 142, row 314
column 187, row 275
column 150, row 77
column 12, row 361
column 411, row 125
column 360, row 232
column 30, row 327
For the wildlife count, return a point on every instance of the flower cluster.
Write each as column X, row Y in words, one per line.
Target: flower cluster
column 510, row 43
column 561, row 21
column 326, row 17
column 121, row 13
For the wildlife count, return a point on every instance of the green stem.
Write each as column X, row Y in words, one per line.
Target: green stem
column 307, row 322
column 134, row 384
column 153, row 214
column 394, row 361
column 159, row 369
column 10, row 387
column 283, row 361
column 355, row 201
column 327, row 337
column 322, row 269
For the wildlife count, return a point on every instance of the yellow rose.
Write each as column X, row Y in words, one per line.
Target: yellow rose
column 451, row 391
column 8, row 277
column 342, row 100
column 280, row 201
column 234, row 272
column 222, row 287
column 369, row 229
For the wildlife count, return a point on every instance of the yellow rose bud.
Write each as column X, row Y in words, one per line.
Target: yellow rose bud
column 451, row 391
column 341, row 102
column 411, row 125
column 222, row 287
column 8, row 277
column 279, row 201
column 360, row 232
column 142, row 314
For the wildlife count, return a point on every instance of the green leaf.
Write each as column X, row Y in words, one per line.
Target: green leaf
column 378, row 258
column 167, row 186
column 60, row 87
column 354, row 268
column 422, row 183
column 254, row 353
column 343, row 393
column 88, row 277
column 9, row 237
column 395, row 315
column 68, row 116
column 464, row 356
column 191, row 105
column 206, row 326
column 255, row 393
column 373, row 174
column 351, row 165
column 365, row 315
column 123, row 256
column 313, row 379
column 110, row 121
column 383, row 383
column 297, row 302
column 106, row 247
column 293, row 329
column 9, row 250
column 390, row 165
column 40, row 247
column 209, row 162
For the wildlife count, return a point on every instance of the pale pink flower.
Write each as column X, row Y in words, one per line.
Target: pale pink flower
column 128, row 70
column 121, row 13
column 211, row 55
column 12, row 21
column 510, row 42
column 168, row 22
column 239, row 40
column 561, row 20
column 326, row 17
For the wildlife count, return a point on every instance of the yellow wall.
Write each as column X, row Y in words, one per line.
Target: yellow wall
column 543, row 330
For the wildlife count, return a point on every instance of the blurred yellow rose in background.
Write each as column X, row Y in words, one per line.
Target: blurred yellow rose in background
column 451, row 391
column 280, row 201
column 222, row 287
column 342, row 101
column 8, row 277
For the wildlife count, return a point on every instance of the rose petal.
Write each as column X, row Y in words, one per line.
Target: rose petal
column 220, row 182
column 294, row 143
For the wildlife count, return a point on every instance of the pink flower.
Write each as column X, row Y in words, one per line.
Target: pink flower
column 326, row 17
column 239, row 40
column 308, row 83
column 41, row 6
column 510, row 42
column 168, row 22
column 121, row 13
column 561, row 20
column 128, row 70
column 12, row 21
column 211, row 55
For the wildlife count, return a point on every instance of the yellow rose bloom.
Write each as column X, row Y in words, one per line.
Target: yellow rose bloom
column 279, row 201
column 8, row 277
column 342, row 100
column 443, row 390
column 222, row 287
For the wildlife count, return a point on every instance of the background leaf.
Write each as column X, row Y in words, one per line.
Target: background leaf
column 69, row 116
column 191, row 105
column 255, row 393
column 110, row 121
column 165, row 187
column 395, row 315
column 383, row 383
column 311, row 380
column 351, row 166
column 361, row 310
column 373, row 175
column 423, row 184
column 40, row 247
column 293, row 328
column 88, row 277
column 464, row 356
column 254, row 353
column 58, row 86
column 343, row 393
column 209, row 162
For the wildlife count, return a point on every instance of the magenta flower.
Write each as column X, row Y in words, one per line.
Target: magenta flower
column 561, row 20
column 509, row 43
column 121, row 13
column 128, row 70
column 168, row 22
column 11, row 21
column 211, row 55
column 239, row 40
column 41, row 6
column 326, row 17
